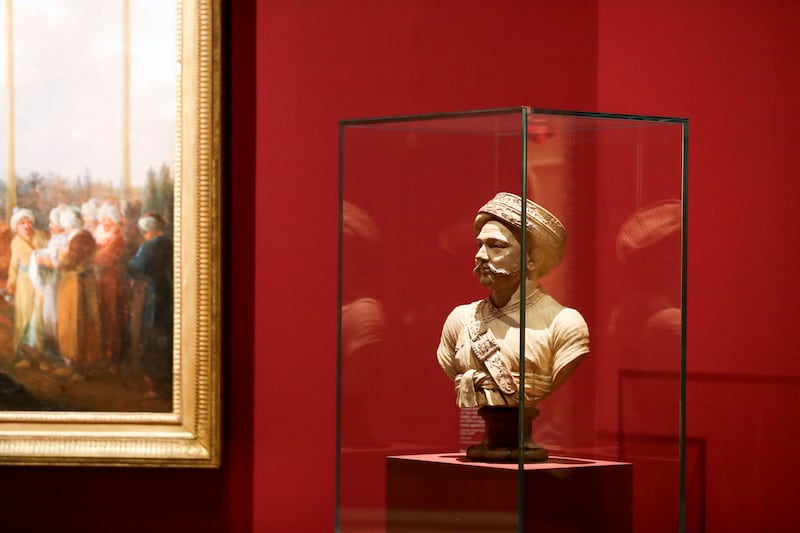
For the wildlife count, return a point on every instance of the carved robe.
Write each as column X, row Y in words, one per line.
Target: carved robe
column 479, row 349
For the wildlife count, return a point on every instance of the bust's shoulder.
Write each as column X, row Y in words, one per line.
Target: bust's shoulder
column 462, row 314
column 569, row 323
column 569, row 316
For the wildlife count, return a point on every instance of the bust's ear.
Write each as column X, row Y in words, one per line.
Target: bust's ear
column 534, row 260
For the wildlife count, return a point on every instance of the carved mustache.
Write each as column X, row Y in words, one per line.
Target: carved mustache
column 492, row 269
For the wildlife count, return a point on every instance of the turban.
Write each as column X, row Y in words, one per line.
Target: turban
column 55, row 215
column 70, row 218
column 151, row 222
column 109, row 211
column 89, row 210
column 544, row 230
column 358, row 225
column 18, row 214
column 648, row 227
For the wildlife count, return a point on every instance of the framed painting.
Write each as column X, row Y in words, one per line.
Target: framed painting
column 109, row 235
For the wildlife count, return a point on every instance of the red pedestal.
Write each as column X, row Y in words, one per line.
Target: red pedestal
column 447, row 493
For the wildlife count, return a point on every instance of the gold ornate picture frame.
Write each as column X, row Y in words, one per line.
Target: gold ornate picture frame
column 103, row 412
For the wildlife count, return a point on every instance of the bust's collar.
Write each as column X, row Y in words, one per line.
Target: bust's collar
column 490, row 311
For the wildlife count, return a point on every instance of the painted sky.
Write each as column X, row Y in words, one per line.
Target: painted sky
column 68, row 80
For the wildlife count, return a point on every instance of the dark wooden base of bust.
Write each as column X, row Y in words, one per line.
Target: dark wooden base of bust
column 501, row 437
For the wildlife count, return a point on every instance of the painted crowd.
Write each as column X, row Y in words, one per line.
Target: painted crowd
column 92, row 295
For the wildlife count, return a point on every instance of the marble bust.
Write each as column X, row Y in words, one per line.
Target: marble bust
column 480, row 343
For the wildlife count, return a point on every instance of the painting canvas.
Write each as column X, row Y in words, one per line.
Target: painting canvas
column 109, row 128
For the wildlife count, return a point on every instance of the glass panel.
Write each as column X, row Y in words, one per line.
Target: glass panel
column 411, row 190
column 616, row 183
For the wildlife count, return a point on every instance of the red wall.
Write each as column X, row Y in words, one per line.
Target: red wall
column 728, row 66
column 319, row 62
column 731, row 68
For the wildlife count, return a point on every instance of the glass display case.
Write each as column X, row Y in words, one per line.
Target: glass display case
column 433, row 365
